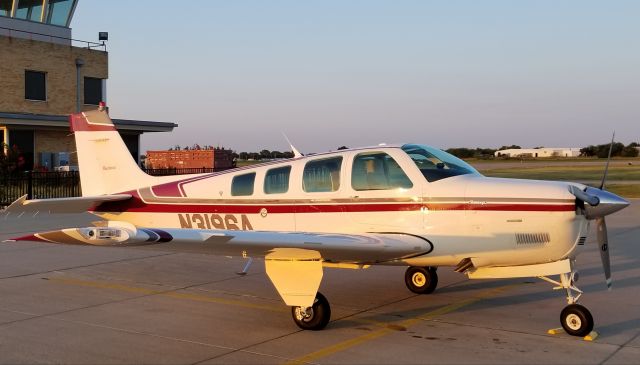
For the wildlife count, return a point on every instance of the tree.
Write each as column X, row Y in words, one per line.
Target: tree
column 631, row 150
column 343, row 148
column 243, row 156
column 462, row 152
column 512, row 147
column 602, row 150
column 265, row 154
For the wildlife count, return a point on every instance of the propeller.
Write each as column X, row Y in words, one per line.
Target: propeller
column 601, row 226
column 600, row 203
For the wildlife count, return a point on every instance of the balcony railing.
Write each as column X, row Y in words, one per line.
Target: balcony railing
column 41, row 36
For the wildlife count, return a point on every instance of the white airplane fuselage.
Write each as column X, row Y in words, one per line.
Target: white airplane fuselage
column 493, row 221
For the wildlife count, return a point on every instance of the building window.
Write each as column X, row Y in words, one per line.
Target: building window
column 377, row 171
column 243, row 184
column 92, row 90
column 276, row 180
column 5, row 7
column 322, row 175
column 35, row 85
column 29, row 10
column 59, row 11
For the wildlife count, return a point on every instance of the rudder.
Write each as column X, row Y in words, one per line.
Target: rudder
column 105, row 164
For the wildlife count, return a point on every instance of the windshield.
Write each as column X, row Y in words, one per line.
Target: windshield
column 436, row 164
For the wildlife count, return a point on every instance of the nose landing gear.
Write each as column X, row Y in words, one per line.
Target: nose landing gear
column 574, row 318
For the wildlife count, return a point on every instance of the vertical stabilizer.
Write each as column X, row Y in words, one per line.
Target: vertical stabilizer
column 106, row 166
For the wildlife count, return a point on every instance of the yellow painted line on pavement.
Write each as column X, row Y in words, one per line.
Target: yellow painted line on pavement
column 393, row 327
column 170, row 294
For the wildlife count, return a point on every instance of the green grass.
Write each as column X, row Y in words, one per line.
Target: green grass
column 241, row 163
column 625, row 190
column 500, row 160
column 567, row 173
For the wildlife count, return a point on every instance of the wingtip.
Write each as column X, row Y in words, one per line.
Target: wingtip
column 29, row 237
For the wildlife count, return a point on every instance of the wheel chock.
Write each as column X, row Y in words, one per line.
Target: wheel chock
column 590, row 337
column 555, row 331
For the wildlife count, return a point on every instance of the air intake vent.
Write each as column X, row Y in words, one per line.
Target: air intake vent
column 582, row 240
column 532, row 238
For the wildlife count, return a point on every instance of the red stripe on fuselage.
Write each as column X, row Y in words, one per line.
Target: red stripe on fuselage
column 135, row 205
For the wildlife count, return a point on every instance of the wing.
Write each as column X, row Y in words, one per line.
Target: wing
column 61, row 205
column 368, row 248
column 293, row 260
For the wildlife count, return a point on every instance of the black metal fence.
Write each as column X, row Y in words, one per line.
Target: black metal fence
column 38, row 185
column 62, row 184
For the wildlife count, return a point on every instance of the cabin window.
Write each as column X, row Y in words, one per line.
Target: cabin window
column 276, row 181
column 377, row 171
column 242, row 185
column 322, row 175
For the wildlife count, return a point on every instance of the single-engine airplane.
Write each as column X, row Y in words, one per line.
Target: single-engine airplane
column 409, row 205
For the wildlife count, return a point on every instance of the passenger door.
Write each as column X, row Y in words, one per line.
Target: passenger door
column 383, row 197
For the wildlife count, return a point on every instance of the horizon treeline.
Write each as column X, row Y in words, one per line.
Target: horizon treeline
column 600, row 151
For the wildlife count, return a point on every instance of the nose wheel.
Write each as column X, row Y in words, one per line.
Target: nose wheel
column 421, row 280
column 315, row 317
column 576, row 320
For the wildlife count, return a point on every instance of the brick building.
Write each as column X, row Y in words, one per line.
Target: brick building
column 218, row 158
column 45, row 76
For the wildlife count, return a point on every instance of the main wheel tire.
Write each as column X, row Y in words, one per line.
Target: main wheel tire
column 421, row 280
column 576, row 320
column 315, row 317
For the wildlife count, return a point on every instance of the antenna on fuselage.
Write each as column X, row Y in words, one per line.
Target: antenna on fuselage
column 296, row 153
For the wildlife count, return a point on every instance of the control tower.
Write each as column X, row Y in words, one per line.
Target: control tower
column 45, row 75
column 46, row 20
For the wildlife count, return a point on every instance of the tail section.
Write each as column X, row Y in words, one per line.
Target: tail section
column 106, row 166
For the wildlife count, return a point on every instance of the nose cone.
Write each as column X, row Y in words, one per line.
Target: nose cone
column 609, row 203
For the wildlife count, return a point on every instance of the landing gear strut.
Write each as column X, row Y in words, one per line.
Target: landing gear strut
column 421, row 280
column 574, row 318
column 315, row 317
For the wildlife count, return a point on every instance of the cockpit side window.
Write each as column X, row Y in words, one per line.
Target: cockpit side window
column 377, row 171
column 322, row 175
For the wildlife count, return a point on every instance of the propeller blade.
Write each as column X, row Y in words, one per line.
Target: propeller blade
column 606, row 167
column 603, row 244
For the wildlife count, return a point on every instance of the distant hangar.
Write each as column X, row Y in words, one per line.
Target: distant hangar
column 539, row 152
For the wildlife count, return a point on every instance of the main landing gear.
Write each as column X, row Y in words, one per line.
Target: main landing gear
column 574, row 318
column 315, row 317
column 421, row 280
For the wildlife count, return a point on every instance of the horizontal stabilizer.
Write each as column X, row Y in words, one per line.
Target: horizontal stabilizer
column 60, row 205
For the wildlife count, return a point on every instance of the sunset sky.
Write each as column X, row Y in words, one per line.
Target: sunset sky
column 329, row 73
